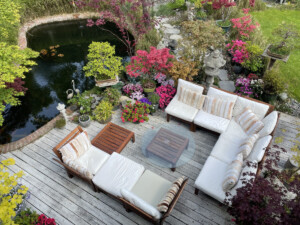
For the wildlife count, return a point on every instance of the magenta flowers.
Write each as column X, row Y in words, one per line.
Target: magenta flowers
column 166, row 94
column 238, row 50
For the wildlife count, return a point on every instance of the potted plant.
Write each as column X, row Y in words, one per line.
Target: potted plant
column 154, row 99
column 61, row 123
column 113, row 96
column 225, row 7
column 135, row 113
column 103, row 64
column 148, row 85
column 285, row 38
column 128, row 89
column 103, row 112
column 253, row 62
column 166, row 94
column 84, row 103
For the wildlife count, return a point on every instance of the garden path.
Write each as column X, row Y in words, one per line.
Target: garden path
column 72, row 201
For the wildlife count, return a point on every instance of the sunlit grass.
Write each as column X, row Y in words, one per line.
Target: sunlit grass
column 290, row 71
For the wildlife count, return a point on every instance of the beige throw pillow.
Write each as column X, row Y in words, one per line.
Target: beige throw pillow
column 249, row 121
column 233, row 172
column 218, row 107
column 247, row 146
column 191, row 98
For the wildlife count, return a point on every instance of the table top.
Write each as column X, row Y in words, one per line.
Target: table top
column 168, row 146
column 112, row 138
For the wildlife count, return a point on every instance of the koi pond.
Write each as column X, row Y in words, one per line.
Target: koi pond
column 63, row 47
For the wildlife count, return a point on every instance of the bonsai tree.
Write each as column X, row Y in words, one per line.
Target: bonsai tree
column 285, row 36
column 102, row 62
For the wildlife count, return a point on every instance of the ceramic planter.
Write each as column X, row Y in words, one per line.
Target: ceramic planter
column 225, row 28
column 149, row 90
column 105, row 121
column 108, row 82
column 83, row 121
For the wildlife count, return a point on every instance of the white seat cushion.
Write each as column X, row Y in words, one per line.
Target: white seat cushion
column 189, row 85
column 235, row 130
column 181, row 110
column 269, row 122
column 259, row 148
column 211, row 122
column 93, row 159
column 140, row 203
column 225, row 96
column 212, row 175
column 151, row 188
column 259, row 109
column 226, row 148
column 116, row 173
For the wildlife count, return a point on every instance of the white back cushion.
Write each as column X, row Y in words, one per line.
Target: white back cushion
column 140, row 203
column 259, row 148
column 259, row 109
column 190, row 86
column 269, row 124
column 214, row 92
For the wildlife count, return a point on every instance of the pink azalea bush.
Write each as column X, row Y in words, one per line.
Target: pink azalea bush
column 244, row 25
column 166, row 94
column 156, row 61
column 238, row 50
column 223, row 5
column 43, row 220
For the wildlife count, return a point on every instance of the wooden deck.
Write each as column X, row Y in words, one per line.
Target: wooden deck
column 71, row 201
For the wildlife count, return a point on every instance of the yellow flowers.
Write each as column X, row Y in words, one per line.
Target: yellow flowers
column 11, row 193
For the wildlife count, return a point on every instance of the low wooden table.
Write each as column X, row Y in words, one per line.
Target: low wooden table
column 168, row 146
column 113, row 138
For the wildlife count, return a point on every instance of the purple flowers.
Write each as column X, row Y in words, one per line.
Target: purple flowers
column 145, row 100
column 130, row 88
column 249, row 87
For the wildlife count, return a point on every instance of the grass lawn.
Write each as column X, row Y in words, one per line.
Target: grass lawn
column 290, row 71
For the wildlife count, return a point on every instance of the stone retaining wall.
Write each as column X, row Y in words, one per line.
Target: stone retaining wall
column 30, row 138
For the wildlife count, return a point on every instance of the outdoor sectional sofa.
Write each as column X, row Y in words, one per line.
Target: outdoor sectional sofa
column 139, row 190
column 231, row 136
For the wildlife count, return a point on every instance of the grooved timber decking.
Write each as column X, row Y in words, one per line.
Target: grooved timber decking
column 72, row 201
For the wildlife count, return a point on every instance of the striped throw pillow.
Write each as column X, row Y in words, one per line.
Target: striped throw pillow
column 233, row 173
column 247, row 146
column 68, row 152
column 249, row 121
column 78, row 167
column 81, row 144
column 170, row 195
column 191, row 98
column 218, row 107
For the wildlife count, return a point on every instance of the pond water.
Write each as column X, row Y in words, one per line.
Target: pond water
column 51, row 77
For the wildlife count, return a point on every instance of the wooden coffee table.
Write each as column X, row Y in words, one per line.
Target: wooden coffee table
column 113, row 138
column 168, row 146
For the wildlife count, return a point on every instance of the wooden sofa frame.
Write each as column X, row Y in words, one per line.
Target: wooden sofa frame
column 130, row 207
column 70, row 171
column 127, row 205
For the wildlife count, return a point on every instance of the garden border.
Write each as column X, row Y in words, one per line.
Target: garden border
column 31, row 137
column 22, row 41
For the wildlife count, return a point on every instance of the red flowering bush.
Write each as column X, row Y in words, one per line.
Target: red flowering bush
column 156, row 61
column 238, row 50
column 166, row 94
column 223, row 5
column 244, row 25
column 43, row 220
column 137, row 112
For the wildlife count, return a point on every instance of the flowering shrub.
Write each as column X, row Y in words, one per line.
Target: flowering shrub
column 11, row 193
column 137, row 95
column 223, row 5
column 244, row 25
column 161, row 79
column 239, row 51
column 254, row 62
column 129, row 88
column 157, row 60
column 112, row 95
column 137, row 112
column 250, row 86
column 166, row 94
column 43, row 220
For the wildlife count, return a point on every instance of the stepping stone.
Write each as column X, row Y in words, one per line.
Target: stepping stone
column 227, row 85
column 175, row 37
column 223, row 75
column 172, row 31
column 166, row 25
